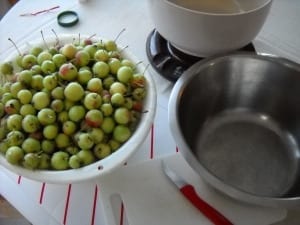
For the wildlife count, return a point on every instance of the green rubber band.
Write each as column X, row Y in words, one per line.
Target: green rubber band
column 71, row 21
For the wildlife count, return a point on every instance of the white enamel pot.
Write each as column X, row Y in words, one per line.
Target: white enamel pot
column 204, row 33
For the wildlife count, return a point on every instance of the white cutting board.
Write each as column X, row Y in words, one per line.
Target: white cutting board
column 149, row 198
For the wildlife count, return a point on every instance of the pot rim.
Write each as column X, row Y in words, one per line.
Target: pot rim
column 197, row 12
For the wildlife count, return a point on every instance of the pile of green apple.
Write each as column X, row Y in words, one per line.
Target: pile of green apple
column 69, row 105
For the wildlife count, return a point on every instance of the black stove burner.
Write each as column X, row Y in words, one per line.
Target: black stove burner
column 167, row 60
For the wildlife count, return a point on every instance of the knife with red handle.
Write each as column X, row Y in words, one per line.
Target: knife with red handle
column 190, row 193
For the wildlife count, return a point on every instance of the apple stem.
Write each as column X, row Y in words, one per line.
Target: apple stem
column 14, row 44
column 57, row 39
column 146, row 67
column 79, row 38
column 122, row 31
column 44, row 40
column 135, row 66
column 123, row 48
column 93, row 35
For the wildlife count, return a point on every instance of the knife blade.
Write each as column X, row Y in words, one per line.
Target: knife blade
column 190, row 193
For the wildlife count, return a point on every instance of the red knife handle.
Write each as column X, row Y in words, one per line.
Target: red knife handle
column 212, row 214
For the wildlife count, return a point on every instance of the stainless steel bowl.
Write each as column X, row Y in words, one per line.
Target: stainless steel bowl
column 236, row 120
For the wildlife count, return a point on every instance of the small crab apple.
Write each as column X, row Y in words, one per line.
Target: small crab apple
column 138, row 80
column 82, row 58
column 14, row 122
column 48, row 67
column 95, row 85
column 74, row 92
column 60, row 160
column 101, row 69
column 6, row 68
column 87, row 41
column 76, row 113
column 110, row 45
column 101, row 55
column 25, row 77
column 15, row 138
column 46, row 116
column 86, row 156
column 91, row 49
column 30, row 123
column 84, row 76
column 12, row 106
column 94, row 117
column 68, row 71
column 40, row 100
column 50, row 82
column 43, row 56
column 84, row 140
column 37, row 82
column 92, row 100
column 28, row 61
column 69, row 50
column 14, row 154
column 59, row 59
column 102, row 150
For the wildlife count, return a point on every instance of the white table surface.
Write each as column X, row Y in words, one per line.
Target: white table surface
column 43, row 203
